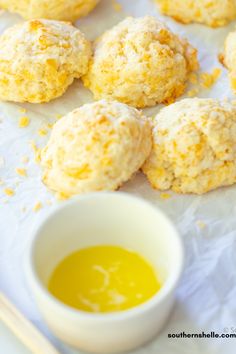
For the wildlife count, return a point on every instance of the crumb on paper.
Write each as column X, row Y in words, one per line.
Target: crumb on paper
column 21, row 172
column 37, row 156
column 200, row 224
column 36, row 150
column 23, row 209
column 25, row 159
column 116, row 6
column 152, row 117
column 37, row 207
column 50, row 125
column 193, row 92
column 165, row 196
column 23, row 122
column 204, row 80
column 42, row 132
column 207, row 80
column 58, row 116
column 22, row 110
column 33, row 145
column 9, row 191
column 61, row 196
column 193, row 79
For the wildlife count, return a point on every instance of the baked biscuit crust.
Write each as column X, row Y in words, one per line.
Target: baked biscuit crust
column 140, row 62
column 98, row 146
column 194, row 147
column 39, row 59
column 214, row 13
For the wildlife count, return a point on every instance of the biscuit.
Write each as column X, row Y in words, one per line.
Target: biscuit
column 194, row 148
column 98, row 146
column 214, row 13
column 140, row 62
column 65, row 10
column 39, row 59
column 228, row 58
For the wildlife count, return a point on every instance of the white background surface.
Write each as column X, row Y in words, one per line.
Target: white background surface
column 206, row 297
column 9, row 344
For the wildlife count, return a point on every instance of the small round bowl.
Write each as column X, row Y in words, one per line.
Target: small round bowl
column 106, row 219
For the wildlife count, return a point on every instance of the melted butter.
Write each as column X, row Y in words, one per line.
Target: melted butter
column 103, row 279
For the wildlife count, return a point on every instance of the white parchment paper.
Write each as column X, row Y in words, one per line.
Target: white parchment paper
column 206, row 297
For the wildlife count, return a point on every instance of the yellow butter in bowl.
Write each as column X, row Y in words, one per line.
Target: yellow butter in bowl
column 104, row 279
column 104, row 268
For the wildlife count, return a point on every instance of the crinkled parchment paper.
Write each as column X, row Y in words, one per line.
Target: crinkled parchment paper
column 206, row 297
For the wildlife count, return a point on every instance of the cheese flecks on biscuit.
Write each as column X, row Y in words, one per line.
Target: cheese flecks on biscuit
column 65, row 10
column 194, row 148
column 214, row 13
column 39, row 59
column 96, row 147
column 228, row 58
column 140, row 62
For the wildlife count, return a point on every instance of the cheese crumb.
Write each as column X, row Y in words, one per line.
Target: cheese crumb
column 193, row 79
column 217, row 72
column 21, row 172
column 193, row 92
column 24, row 159
column 116, row 6
column 165, row 196
column 200, row 224
column 8, row 191
column 61, row 196
column 206, row 80
column 22, row 110
column 209, row 79
column 23, row 122
column 36, row 150
column 50, row 125
column 42, row 132
column 37, row 207
column 33, row 145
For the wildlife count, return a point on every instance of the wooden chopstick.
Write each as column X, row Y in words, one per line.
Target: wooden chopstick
column 24, row 330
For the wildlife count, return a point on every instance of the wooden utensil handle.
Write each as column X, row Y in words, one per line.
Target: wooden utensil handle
column 24, row 329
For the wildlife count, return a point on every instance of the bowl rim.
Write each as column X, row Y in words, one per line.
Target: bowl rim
column 166, row 290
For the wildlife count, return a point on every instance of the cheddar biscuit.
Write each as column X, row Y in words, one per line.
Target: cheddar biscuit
column 39, row 59
column 96, row 147
column 140, row 62
column 194, row 148
column 65, row 10
column 228, row 58
column 214, row 13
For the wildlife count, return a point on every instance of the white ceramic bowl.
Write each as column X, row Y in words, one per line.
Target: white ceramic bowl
column 106, row 219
